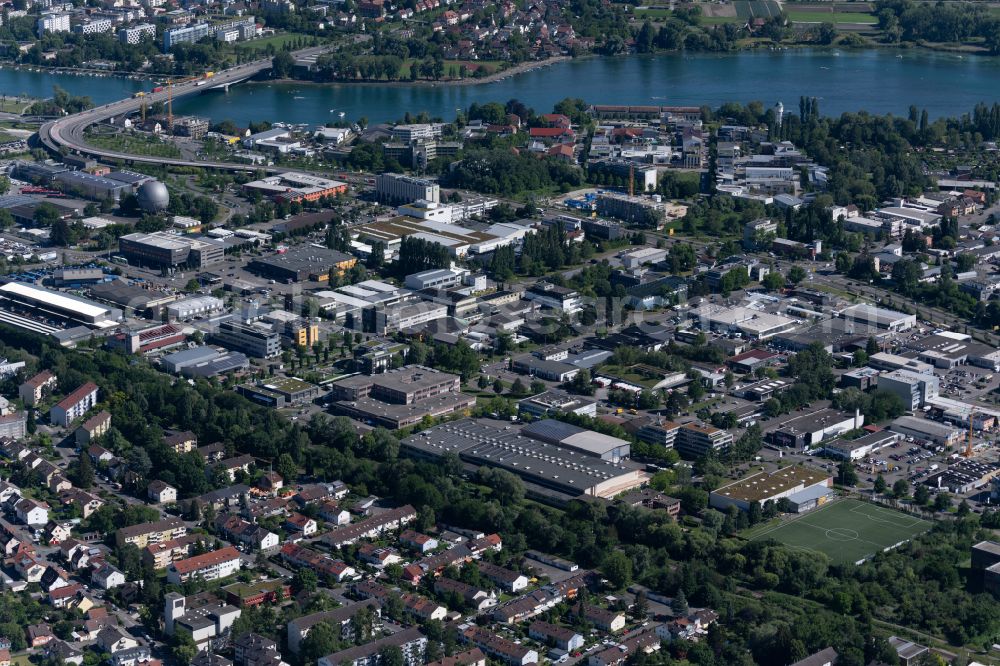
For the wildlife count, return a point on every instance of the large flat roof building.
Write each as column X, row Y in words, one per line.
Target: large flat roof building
column 306, row 262
column 574, row 438
column 64, row 307
column 551, row 471
column 881, row 318
column 768, row 487
column 164, row 249
column 291, row 186
column 803, row 430
column 754, row 324
column 399, row 398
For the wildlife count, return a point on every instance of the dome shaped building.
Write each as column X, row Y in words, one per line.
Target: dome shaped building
column 153, row 196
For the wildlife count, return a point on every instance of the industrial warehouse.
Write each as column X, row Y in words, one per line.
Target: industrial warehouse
column 45, row 311
column 550, row 472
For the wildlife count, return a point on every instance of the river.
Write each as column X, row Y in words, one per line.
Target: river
column 879, row 81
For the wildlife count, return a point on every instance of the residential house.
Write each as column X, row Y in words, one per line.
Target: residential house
column 506, row 579
column 330, row 511
column 84, row 501
column 563, row 638
column 99, row 455
column 107, row 577
column 602, row 618
column 32, row 512
column 61, row 652
column 180, row 441
column 112, row 639
column 303, row 525
column 416, row 541
column 501, row 649
column 39, row 634
column 378, row 556
column 161, row 492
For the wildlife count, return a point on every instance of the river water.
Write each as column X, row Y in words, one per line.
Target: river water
column 879, row 81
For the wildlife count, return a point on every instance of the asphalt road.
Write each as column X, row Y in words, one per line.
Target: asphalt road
column 68, row 132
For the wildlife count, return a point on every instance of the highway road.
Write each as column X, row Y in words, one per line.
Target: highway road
column 68, row 132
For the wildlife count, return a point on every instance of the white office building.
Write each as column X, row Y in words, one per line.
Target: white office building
column 399, row 189
column 915, row 389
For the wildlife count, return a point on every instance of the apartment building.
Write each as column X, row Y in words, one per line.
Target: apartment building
column 210, row 566
column 75, row 405
column 147, row 533
column 371, row 527
column 34, row 389
column 136, row 33
column 410, row 641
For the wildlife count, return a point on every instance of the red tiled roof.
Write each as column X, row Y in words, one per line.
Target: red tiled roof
column 78, row 395
column 40, row 379
column 208, row 559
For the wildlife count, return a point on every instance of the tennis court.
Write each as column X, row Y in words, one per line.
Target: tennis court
column 847, row 530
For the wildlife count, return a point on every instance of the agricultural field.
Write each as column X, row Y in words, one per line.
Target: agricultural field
column 746, row 9
column 809, row 16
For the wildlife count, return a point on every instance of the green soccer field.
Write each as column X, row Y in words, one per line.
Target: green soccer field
column 846, row 530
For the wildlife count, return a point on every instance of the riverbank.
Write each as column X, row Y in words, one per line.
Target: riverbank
column 522, row 68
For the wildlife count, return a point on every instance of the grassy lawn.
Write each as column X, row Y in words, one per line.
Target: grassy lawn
column 278, row 41
column 135, row 145
column 490, row 66
column 14, row 105
column 846, row 531
column 831, row 17
column 7, row 138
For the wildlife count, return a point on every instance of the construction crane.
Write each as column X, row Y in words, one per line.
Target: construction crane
column 968, row 440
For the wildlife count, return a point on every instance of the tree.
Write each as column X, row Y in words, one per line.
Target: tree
column 282, row 65
column 184, row 649
column 942, row 502
column 287, row 468
column 921, row 495
column 497, row 386
column 871, row 347
column 880, row 485
column 900, row 488
column 391, row 655
column 679, row 604
column 773, row 281
column 305, row 580
column 617, row 568
column 518, row 388
column 796, row 275
column 846, row 476
column 640, row 607
column 321, row 641
column 83, row 472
